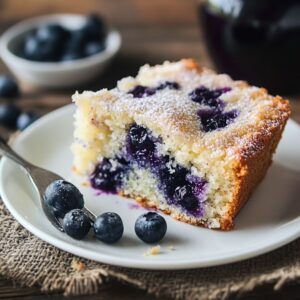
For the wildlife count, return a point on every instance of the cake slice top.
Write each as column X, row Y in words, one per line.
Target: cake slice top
column 193, row 109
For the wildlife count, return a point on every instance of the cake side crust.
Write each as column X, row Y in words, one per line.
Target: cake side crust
column 254, row 164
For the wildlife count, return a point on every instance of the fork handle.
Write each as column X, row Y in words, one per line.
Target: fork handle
column 6, row 150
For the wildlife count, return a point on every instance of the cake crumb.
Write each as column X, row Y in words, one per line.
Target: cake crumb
column 153, row 251
column 171, row 248
column 77, row 265
column 85, row 183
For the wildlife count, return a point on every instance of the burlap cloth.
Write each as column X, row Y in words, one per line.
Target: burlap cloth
column 29, row 261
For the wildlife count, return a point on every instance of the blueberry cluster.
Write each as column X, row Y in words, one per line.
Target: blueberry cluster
column 215, row 117
column 65, row 201
column 176, row 182
column 141, row 91
column 54, row 43
column 10, row 115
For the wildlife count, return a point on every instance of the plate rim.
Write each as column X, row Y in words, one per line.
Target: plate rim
column 256, row 249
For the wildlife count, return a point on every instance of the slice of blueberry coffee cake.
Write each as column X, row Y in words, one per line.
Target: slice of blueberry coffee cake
column 179, row 138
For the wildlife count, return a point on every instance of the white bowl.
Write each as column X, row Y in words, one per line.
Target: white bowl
column 55, row 74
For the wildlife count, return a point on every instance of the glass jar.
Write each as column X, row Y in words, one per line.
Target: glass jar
column 255, row 40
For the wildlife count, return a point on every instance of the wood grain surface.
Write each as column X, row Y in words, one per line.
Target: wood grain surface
column 152, row 31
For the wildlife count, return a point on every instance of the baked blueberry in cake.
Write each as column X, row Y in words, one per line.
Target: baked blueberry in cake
column 180, row 138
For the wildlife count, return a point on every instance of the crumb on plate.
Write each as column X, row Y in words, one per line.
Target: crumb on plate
column 153, row 251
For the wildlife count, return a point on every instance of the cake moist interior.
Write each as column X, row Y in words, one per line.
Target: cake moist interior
column 176, row 182
column 141, row 150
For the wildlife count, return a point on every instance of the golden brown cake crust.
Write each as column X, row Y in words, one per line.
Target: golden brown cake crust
column 252, row 169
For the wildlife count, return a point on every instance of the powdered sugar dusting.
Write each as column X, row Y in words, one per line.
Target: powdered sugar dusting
column 171, row 114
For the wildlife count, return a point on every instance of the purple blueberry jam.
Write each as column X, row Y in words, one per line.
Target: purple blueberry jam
column 209, row 97
column 109, row 174
column 214, row 119
column 141, row 91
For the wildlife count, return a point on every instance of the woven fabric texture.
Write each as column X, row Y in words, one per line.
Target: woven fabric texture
column 29, row 261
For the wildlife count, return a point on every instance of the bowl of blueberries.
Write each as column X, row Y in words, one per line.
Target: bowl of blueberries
column 61, row 50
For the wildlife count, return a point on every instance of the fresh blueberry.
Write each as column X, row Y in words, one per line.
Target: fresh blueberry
column 93, row 48
column 169, row 84
column 141, row 91
column 76, row 224
column 95, row 28
column 9, row 114
column 53, row 32
column 109, row 174
column 8, row 87
column 150, row 227
column 40, row 50
column 25, row 119
column 215, row 119
column 61, row 197
column 108, row 227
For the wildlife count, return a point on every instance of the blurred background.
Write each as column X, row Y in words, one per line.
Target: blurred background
column 152, row 31
column 257, row 41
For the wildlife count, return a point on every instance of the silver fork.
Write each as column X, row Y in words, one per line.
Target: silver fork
column 40, row 178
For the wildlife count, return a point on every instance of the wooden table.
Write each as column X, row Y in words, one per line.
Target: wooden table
column 153, row 31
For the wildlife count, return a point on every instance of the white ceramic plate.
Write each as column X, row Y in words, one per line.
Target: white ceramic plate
column 270, row 219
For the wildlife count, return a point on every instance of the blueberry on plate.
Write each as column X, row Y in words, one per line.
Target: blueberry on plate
column 150, row 227
column 108, row 227
column 8, row 87
column 76, row 224
column 40, row 49
column 25, row 119
column 61, row 197
column 93, row 48
column 9, row 114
